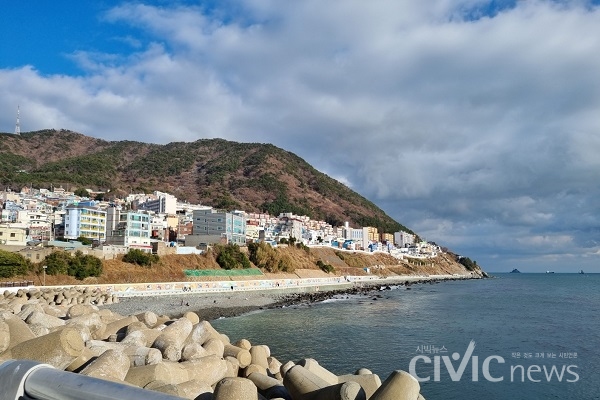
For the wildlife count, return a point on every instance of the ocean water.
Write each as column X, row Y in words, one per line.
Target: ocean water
column 537, row 336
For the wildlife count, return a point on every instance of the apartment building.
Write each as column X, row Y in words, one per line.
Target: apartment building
column 403, row 239
column 213, row 226
column 163, row 203
column 129, row 228
column 86, row 220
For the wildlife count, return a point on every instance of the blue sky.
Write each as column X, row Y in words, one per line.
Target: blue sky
column 476, row 123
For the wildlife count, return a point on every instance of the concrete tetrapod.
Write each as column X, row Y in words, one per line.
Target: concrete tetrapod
column 340, row 391
column 168, row 372
column 84, row 358
column 269, row 387
column 148, row 318
column 275, row 368
column 369, row 382
column 284, row 368
column 142, row 337
column 19, row 331
column 300, row 382
column 80, row 309
column 193, row 351
column 59, row 348
column 170, row 341
column 233, row 367
column 45, row 320
column 243, row 343
column 193, row 389
column 138, row 355
column 252, row 368
column 209, row 369
column 235, row 389
column 313, row 366
column 4, row 336
column 400, row 385
column 92, row 320
column 203, row 331
column 116, row 326
column 214, row 346
column 111, row 365
column 28, row 309
column 259, row 356
column 243, row 356
column 192, row 316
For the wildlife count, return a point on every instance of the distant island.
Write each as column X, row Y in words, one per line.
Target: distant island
column 515, row 271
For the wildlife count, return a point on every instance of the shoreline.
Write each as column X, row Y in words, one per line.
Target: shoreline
column 212, row 306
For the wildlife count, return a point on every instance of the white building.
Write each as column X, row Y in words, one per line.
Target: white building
column 131, row 229
column 13, row 235
column 359, row 235
column 164, row 203
column 403, row 239
column 86, row 220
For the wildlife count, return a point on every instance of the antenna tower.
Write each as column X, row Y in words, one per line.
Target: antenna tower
column 18, row 124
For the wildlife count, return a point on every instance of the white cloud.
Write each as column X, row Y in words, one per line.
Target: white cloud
column 479, row 130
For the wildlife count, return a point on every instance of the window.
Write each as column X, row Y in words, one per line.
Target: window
column 13, row 234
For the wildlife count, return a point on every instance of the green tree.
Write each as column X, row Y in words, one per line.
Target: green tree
column 57, row 263
column 468, row 263
column 79, row 265
column 12, row 264
column 85, row 241
column 263, row 255
column 230, row 257
column 252, row 249
column 81, row 192
column 139, row 257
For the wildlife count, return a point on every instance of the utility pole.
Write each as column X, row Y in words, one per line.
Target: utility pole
column 18, row 124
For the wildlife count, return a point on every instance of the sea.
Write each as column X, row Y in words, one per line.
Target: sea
column 513, row 336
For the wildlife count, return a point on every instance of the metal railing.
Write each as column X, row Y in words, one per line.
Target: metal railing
column 30, row 380
column 16, row 284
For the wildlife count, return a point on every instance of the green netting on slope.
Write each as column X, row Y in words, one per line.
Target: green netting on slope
column 222, row 272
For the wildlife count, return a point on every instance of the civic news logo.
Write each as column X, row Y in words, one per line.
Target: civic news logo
column 493, row 368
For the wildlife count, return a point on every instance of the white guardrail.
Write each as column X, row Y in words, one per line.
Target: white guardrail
column 30, row 380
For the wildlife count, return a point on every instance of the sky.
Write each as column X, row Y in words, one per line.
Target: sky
column 475, row 123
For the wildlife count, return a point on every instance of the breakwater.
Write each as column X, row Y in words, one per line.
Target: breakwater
column 287, row 285
column 183, row 357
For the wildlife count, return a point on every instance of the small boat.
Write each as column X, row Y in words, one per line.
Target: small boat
column 549, row 272
column 581, row 272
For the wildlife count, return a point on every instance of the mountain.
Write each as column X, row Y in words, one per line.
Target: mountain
column 247, row 176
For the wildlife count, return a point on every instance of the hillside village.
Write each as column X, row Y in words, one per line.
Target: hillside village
column 34, row 222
